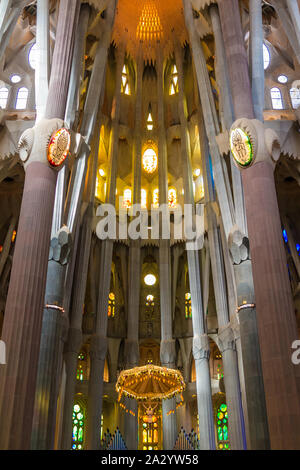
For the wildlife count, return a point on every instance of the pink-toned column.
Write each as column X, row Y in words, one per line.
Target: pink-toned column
column 24, row 306
column 274, row 305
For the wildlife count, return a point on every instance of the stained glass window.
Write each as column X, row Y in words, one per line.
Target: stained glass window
column 125, row 89
column 127, row 199
column 188, row 305
column 111, row 305
column 3, row 97
column 174, row 81
column 295, row 97
column 172, row 196
column 276, row 98
column 78, row 427
column 150, row 301
column 151, row 430
column 22, row 98
column 80, row 369
column 150, row 161
column 150, row 120
column 222, row 428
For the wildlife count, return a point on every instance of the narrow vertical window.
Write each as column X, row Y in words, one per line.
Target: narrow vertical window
column 174, row 81
column 276, row 98
column 188, row 305
column 267, row 58
column 3, row 97
column 125, row 89
column 127, row 198
column 222, row 428
column 22, row 98
column 111, row 305
column 172, row 198
column 78, row 427
column 295, row 97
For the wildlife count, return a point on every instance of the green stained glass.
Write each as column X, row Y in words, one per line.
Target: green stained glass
column 223, row 408
column 225, row 433
column 80, row 435
column 222, row 428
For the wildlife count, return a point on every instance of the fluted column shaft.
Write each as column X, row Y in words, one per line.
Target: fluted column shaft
column 132, row 342
column 275, row 311
column 29, row 269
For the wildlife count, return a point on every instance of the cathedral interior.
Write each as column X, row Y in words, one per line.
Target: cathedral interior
column 144, row 343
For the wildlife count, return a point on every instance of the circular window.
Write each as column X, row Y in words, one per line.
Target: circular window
column 282, row 79
column 15, row 78
column 150, row 280
column 150, row 161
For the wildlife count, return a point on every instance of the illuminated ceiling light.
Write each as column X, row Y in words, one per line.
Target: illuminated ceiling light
column 150, row 280
column 149, row 27
column 197, row 172
column 102, row 172
column 150, row 161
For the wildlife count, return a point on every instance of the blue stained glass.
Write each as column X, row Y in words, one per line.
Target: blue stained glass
column 285, row 236
column 298, row 248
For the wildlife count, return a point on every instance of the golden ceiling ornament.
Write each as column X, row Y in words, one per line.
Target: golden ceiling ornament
column 59, row 147
column 150, row 383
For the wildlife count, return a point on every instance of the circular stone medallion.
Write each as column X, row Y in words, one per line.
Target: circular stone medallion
column 59, row 147
column 241, row 147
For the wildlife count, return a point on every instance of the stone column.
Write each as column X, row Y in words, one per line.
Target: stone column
column 132, row 342
column 257, row 72
column 276, row 318
column 42, row 71
column 254, row 401
column 99, row 340
column 201, row 350
column 24, row 306
column 167, row 347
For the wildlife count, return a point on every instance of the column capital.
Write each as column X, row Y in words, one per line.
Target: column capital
column 168, row 353
column 98, row 347
column 226, row 338
column 61, row 246
column 239, row 246
column 201, row 349
column 34, row 143
column 251, row 142
column 74, row 341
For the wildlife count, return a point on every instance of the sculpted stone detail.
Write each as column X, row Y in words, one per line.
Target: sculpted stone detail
column 226, row 339
column 34, row 143
column 98, row 348
column 61, row 246
column 251, row 142
column 201, row 349
column 238, row 245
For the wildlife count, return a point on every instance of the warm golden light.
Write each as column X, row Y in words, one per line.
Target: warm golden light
column 149, row 27
column 150, row 161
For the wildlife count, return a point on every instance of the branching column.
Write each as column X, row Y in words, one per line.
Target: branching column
column 167, row 347
column 275, row 311
column 98, row 348
column 24, row 307
column 132, row 342
column 201, row 348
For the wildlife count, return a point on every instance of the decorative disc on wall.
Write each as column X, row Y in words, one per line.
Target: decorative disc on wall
column 59, row 147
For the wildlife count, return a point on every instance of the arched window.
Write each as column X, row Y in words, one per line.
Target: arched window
column 276, row 98
column 222, row 427
column 172, row 196
column 106, row 372
column 155, row 198
column 22, row 98
column 33, row 56
column 3, row 97
column 174, row 81
column 127, row 198
column 78, row 427
column 188, row 305
column 150, row 161
column 111, row 305
column 125, row 89
column 144, row 199
column 295, row 97
column 267, row 57
column 150, row 301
